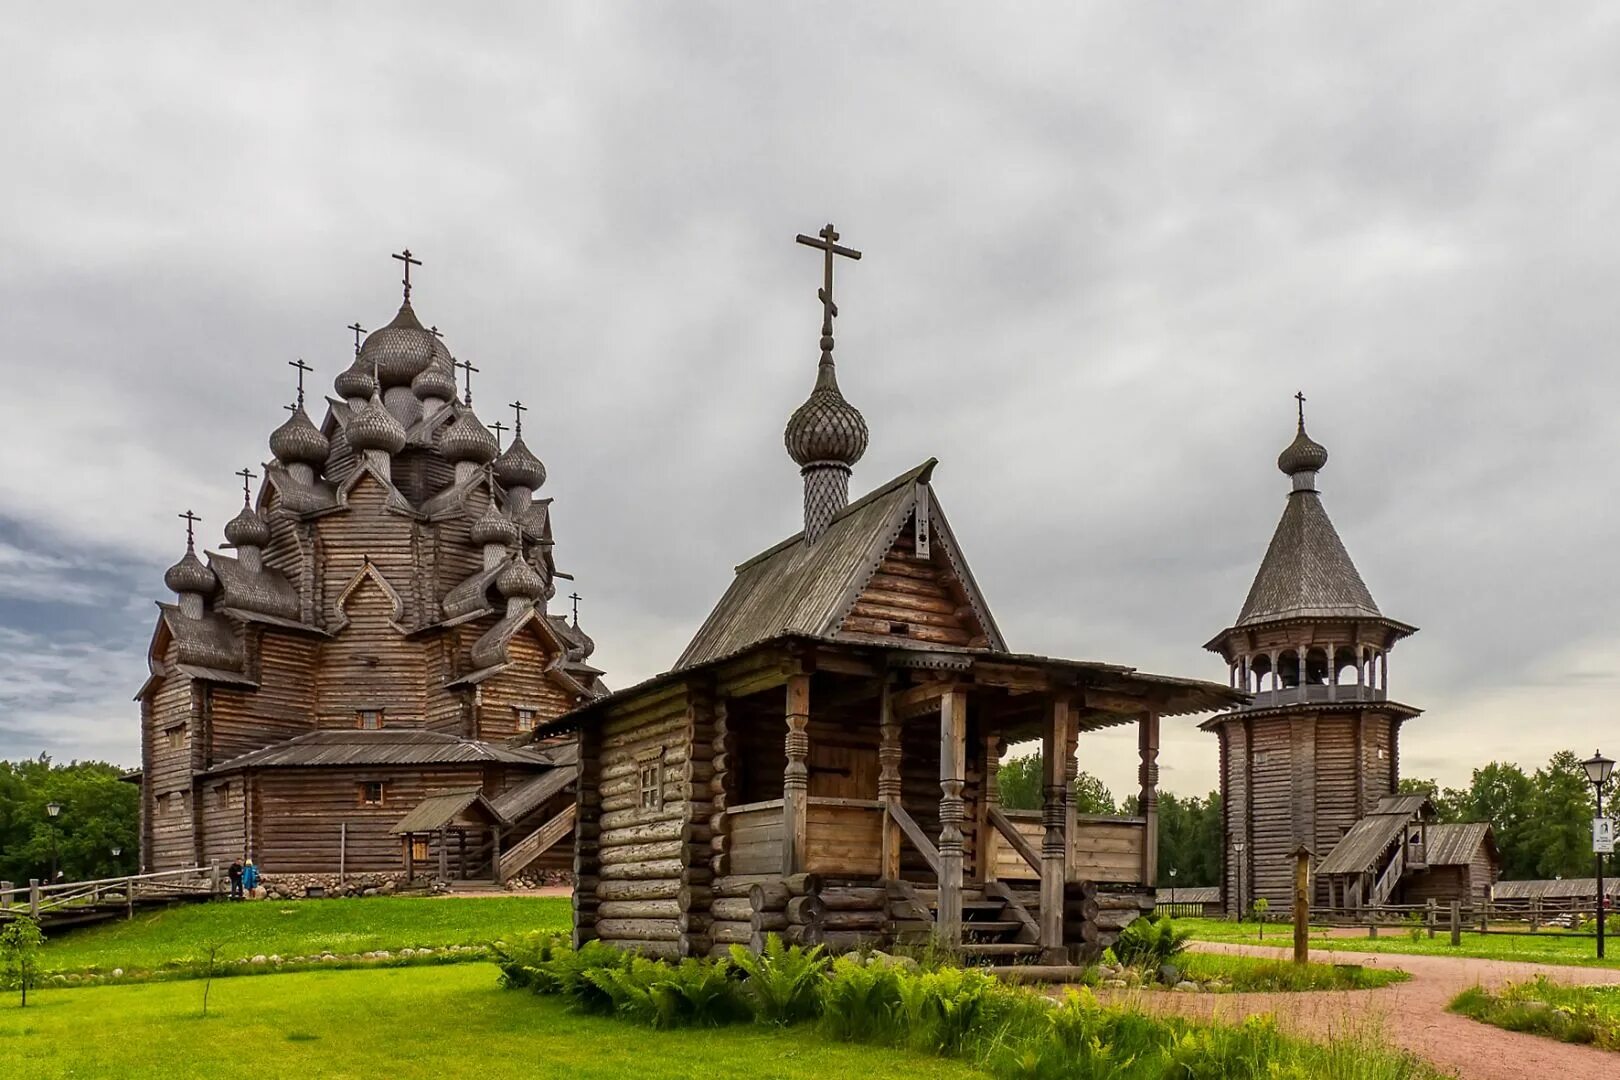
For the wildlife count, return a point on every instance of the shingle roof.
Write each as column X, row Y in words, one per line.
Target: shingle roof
column 439, row 810
column 1307, row 573
column 799, row 588
column 1455, row 845
column 1557, row 888
column 399, row 746
column 1362, row 848
column 1192, row 894
column 515, row 802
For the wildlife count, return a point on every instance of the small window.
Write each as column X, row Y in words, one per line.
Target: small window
column 222, row 796
column 652, row 786
column 175, row 737
column 371, row 793
column 368, row 719
column 526, row 719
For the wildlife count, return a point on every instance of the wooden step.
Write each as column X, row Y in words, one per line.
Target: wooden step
column 991, row 926
column 1000, row 948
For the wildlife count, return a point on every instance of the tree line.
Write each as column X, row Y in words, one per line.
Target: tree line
column 97, row 813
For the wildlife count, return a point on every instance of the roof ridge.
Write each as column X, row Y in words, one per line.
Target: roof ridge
column 920, row 474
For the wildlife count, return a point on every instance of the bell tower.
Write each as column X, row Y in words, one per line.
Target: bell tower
column 1318, row 745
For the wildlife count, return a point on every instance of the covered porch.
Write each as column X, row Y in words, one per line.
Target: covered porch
column 452, row 836
column 868, row 778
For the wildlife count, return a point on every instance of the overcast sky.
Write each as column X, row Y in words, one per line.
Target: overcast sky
column 1103, row 250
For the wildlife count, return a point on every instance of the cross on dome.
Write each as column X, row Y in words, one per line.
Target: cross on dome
column 405, row 257
column 358, row 330
column 519, row 409
column 302, row 368
column 467, row 367
column 828, row 243
column 247, row 475
column 191, row 520
column 576, row 598
column 499, row 429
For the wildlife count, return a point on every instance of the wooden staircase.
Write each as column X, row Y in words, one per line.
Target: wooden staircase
column 537, row 843
column 998, row 926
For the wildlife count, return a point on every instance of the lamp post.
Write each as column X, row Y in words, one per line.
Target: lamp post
column 1238, row 848
column 1172, row 888
column 53, row 808
column 1598, row 769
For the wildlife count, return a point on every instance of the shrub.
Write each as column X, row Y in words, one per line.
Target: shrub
column 1415, row 925
column 781, row 984
column 859, row 1001
column 1150, row 942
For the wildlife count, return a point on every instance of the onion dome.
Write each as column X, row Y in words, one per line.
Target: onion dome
column 520, row 579
column 519, row 468
column 434, row 382
column 189, row 575
column 400, row 351
column 468, row 440
column 375, row 428
column 299, row 440
column 355, row 381
column 1304, row 454
column 494, row 527
column 826, row 428
column 247, row 529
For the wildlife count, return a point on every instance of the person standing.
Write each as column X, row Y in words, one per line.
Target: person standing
column 236, row 880
column 250, row 877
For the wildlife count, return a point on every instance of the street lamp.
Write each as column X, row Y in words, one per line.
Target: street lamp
column 53, row 808
column 1238, row 847
column 1172, row 888
column 1598, row 769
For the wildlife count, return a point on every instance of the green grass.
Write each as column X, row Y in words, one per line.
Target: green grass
column 180, row 935
column 1245, row 974
column 1546, row 947
column 409, row 1022
column 1576, row 1014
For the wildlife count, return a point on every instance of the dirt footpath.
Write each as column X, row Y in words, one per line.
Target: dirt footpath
column 1412, row 1014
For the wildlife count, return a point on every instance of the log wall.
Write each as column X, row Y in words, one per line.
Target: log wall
column 175, row 702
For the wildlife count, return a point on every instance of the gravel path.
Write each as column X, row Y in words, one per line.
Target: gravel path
column 1411, row 1014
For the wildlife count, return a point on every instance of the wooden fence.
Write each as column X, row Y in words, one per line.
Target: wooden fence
column 83, row 901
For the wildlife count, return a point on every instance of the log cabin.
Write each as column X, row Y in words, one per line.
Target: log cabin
column 374, row 636
column 1313, row 756
column 821, row 760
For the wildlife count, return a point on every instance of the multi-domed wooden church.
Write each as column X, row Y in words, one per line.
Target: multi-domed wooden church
column 342, row 689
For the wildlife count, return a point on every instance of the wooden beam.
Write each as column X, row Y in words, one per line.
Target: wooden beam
column 952, row 776
column 890, row 786
column 796, row 777
column 920, row 699
column 1054, row 844
column 1148, row 798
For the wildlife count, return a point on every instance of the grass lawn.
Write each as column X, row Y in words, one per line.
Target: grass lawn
column 1246, row 974
column 1546, row 947
column 403, row 1022
column 1577, row 1014
column 299, row 928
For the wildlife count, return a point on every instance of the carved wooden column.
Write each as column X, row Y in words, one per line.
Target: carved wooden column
column 1055, row 842
column 1071, row 773
column 985, row 848
column 889, row 785
column 952, row 762
column 1148, row 798
column 796, row 777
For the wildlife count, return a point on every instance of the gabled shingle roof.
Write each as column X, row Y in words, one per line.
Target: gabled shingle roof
column 398, row 746
column 799, row 588
column 1306, row 573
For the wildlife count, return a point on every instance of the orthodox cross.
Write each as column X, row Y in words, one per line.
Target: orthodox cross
column 576, row 598
column 828, row 244
column 246, row 474
column 434, row 330
column 405, row 257
column 499, row 429
column 467, row 367
column 1300, row 398
column 302, row 368
column 358, row 330
column 191, row 519
column 517, row 428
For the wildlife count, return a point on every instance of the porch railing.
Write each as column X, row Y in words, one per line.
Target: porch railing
column 1105, row 849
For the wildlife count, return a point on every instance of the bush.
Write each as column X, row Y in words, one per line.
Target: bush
column 781, row 984
column 859, row 1001
column 1150, row 942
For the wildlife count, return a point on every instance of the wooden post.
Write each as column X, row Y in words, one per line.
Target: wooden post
column 890, row 785
column 1456, row 922
column 1054, row 842
column 343, row 851
column 985, row 849
column 33, row 897
column 1302, row 904
column 952, row 762
column 410, row 858
column 796, row 777
column 461, row 853
column 1429, row 916
column 5, row 895
column 444, row 854
column 213, row 877
column 1148, row 801
column 495, row 853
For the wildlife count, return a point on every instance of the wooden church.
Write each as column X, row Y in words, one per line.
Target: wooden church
column 821, row 760
column 343, row 689
column 1313, row 757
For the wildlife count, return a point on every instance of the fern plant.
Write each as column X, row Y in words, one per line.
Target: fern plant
column 858, row 1001
column 781, row 984
column 1150, row 942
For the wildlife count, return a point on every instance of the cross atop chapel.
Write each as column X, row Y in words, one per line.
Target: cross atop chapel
column 405, row 257
column 828, row 243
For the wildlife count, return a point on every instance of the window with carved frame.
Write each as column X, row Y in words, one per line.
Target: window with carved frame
column 652, row 785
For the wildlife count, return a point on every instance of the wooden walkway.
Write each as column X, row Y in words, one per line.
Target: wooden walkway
column 76, row 903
